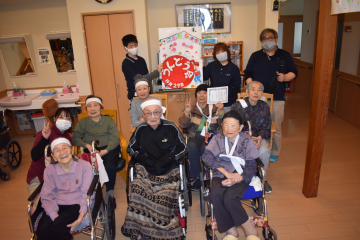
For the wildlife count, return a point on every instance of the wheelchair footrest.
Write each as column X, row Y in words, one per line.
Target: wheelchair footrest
column 259, row 221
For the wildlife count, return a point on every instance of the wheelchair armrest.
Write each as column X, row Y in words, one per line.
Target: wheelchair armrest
column 35, row 193
column 259, row 162
column 93, row 185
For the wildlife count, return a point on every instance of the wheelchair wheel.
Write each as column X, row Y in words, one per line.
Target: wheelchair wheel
column 271, row 234
column 110, row 218
column 13, row 154
column 186, row 191
column 202, row 200
column 4, row 175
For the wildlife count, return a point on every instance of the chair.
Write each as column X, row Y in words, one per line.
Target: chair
column 268, row 97
column 102, row 212
column 164, row 103
column 123, row 144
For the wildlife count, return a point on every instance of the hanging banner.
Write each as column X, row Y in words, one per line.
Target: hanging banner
column 180, row 53
column 344, row 6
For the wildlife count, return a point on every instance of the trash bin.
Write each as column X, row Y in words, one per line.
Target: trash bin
column 38, row 119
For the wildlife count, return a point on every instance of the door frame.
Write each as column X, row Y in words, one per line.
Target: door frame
column 84, row 35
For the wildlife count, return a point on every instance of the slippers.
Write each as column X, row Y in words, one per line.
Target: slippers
column 230, row 237
column 252, row 237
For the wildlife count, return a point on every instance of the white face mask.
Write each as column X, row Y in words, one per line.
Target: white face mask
column 222, row 56
column 132, row 51
column 63, row 125
column 268, row 45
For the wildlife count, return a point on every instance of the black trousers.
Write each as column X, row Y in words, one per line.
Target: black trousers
column 196, row 146
column 110, row 163
column 57, row 229
column 228, row 209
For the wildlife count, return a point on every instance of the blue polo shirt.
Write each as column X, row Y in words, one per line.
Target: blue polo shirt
column 132, row 67
column 220, row 76
column 262, row 67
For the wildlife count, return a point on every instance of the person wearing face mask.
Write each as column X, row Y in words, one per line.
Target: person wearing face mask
column 134, row 67
column 222, row 72
column 142, row 91
column 63, row 120
column 195, row 116
column 272, row 67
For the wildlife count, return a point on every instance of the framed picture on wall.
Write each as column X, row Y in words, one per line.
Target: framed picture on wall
column 211, row 17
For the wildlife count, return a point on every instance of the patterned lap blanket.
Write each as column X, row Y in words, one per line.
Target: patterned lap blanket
column 152, row 207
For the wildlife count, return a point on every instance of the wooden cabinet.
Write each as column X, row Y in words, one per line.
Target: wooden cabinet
column 176, row 104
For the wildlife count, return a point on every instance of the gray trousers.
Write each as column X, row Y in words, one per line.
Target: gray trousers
column 264, row 151
column 228, row 209
column 277, row 117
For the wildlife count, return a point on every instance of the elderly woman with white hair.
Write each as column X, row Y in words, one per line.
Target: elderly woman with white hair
column 102, row 128
column 142, row 91
column 252, row 109
column 64, row 193
column 155, row 146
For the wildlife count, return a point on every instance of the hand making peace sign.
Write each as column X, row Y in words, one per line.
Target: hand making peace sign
column 46, row 130
column 187, row 106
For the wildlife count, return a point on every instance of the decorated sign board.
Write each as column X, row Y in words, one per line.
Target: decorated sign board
column 180, row 53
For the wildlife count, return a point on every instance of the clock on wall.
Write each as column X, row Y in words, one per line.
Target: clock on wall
column 103, row 1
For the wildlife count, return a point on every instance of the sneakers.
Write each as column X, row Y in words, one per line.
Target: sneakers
column 268, row 189
column 196, row 185
column 273, row 158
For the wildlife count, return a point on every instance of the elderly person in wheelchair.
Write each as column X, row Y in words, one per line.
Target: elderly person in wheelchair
column 64, row 193
column 257, row 113
column 194, row 118
column 155, row 147
column 231, row 155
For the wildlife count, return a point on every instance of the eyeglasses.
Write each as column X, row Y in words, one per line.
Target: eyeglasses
column 268, row 39
column 156, row 114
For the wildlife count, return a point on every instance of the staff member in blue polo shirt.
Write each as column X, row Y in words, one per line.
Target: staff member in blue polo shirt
column 134, row 67
column 272, row 67
column 222, row 72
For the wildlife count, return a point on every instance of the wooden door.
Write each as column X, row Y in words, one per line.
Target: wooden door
column 121, row 25
column 100, row 60
column 103, row 34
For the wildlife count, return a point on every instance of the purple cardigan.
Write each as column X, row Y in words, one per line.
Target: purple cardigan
column 61, row 188
column 245, row 149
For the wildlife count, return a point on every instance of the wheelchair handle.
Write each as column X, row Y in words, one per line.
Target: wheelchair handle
column 93, row 144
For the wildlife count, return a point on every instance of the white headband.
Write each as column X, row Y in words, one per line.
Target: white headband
column 152, row 102
column 95, row 99
column 141, row 83
column 59, row 140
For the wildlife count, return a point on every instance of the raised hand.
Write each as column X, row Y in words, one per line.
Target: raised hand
column 160, row 67
column 219, row 105
column 46, row 130
column 187, row 106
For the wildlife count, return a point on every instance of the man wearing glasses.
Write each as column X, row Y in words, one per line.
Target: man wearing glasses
column 156, row 144
column 272, row 67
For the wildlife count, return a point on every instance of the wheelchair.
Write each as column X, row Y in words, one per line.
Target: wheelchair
column 253, row 199
column 11, row 151
column 183, row 191
column 102, row 211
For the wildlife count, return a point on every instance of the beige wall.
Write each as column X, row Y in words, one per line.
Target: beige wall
column 244, row 22
column 37, row 18
column 309, row 22
column 350, row 47
column 76, row 7
column 294, row 7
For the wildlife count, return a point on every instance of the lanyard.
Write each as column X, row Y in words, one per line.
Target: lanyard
column 208, row 118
